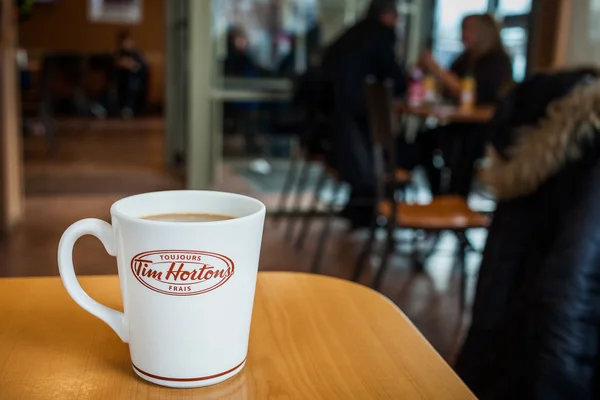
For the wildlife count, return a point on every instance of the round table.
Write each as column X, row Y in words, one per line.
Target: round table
column 312, row 337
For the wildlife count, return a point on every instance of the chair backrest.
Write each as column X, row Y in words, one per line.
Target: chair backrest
column 380, row 98
column 70, row 67
column 100, row 77
column 61, row 73
column 383, row 129
column 102, row 62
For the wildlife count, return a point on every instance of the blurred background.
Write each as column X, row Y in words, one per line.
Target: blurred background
column 100, row 99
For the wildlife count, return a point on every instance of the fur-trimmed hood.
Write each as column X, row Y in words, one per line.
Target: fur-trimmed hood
column 541, row 151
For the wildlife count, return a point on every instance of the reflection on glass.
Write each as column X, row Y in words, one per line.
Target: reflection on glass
column 286, row 36
column 448, row 18
column 280, row 34
column 512, row 7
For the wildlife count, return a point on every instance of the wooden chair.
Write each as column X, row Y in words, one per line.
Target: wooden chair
column 297, row 182
column 399, row 180
column 316, row 146
column 328, row 173
column 101, row 82
column 60, row 73
column 313, row 147
column 298, row 215
column 444, row 213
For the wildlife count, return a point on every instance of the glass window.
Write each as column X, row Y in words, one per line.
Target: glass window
column 593, row 18
column 450, row 13
column 512, row 7
column 273, row 28
column 515, row 41
column 447, row 35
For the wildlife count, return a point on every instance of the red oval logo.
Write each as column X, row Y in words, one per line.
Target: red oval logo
column 182, row 272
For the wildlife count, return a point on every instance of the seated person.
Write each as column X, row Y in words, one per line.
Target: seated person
column 132, row 75
column 485, row 59
column 239, row 62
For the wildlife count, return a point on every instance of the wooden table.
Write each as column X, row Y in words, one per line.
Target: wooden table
column 313, row 337
column 448, row 113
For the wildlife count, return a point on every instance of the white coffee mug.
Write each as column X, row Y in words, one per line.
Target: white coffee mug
column 187, row 287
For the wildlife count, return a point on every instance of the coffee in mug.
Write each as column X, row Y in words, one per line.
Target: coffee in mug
column 187, row 263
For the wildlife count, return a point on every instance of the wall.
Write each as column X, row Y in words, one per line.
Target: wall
column 11, row 173
column 583, row 45
column 64, row 26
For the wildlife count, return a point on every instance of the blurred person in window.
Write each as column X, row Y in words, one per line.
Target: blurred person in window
column 132, row 75
column 245, row 116
column 238, row 61
column 487, row 62
column 535, row 330
column 366, row 49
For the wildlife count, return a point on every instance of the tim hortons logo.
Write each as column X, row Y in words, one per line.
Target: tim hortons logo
column 182, row 272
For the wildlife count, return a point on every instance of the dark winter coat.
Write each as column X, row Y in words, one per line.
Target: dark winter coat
column 535, row 331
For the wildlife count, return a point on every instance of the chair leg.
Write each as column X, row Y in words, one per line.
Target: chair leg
column 469, row 244
column 366, row 251
column 418, row 259
column 288, row 185
column 305, row 227
column 412, row 193
column 435, row 240
column 462, row 264
column 46, row 118
column 297, row 204
column 389, row 248
column 318, row 258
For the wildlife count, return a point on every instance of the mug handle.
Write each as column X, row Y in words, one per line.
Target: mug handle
column 103, row 231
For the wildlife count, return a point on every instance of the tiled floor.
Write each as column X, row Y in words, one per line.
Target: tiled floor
column 97, row 164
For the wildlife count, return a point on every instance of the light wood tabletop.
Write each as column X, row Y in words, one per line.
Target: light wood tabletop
column 313, row 337
column 447, row 113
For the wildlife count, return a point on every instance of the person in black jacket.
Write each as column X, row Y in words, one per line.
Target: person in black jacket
column 535, row 330
column 366, row 49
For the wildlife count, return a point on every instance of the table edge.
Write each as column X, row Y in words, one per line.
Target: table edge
column 341, row 281
column 312, row 276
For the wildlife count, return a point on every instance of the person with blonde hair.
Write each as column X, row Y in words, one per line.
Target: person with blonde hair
column 485, row 60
